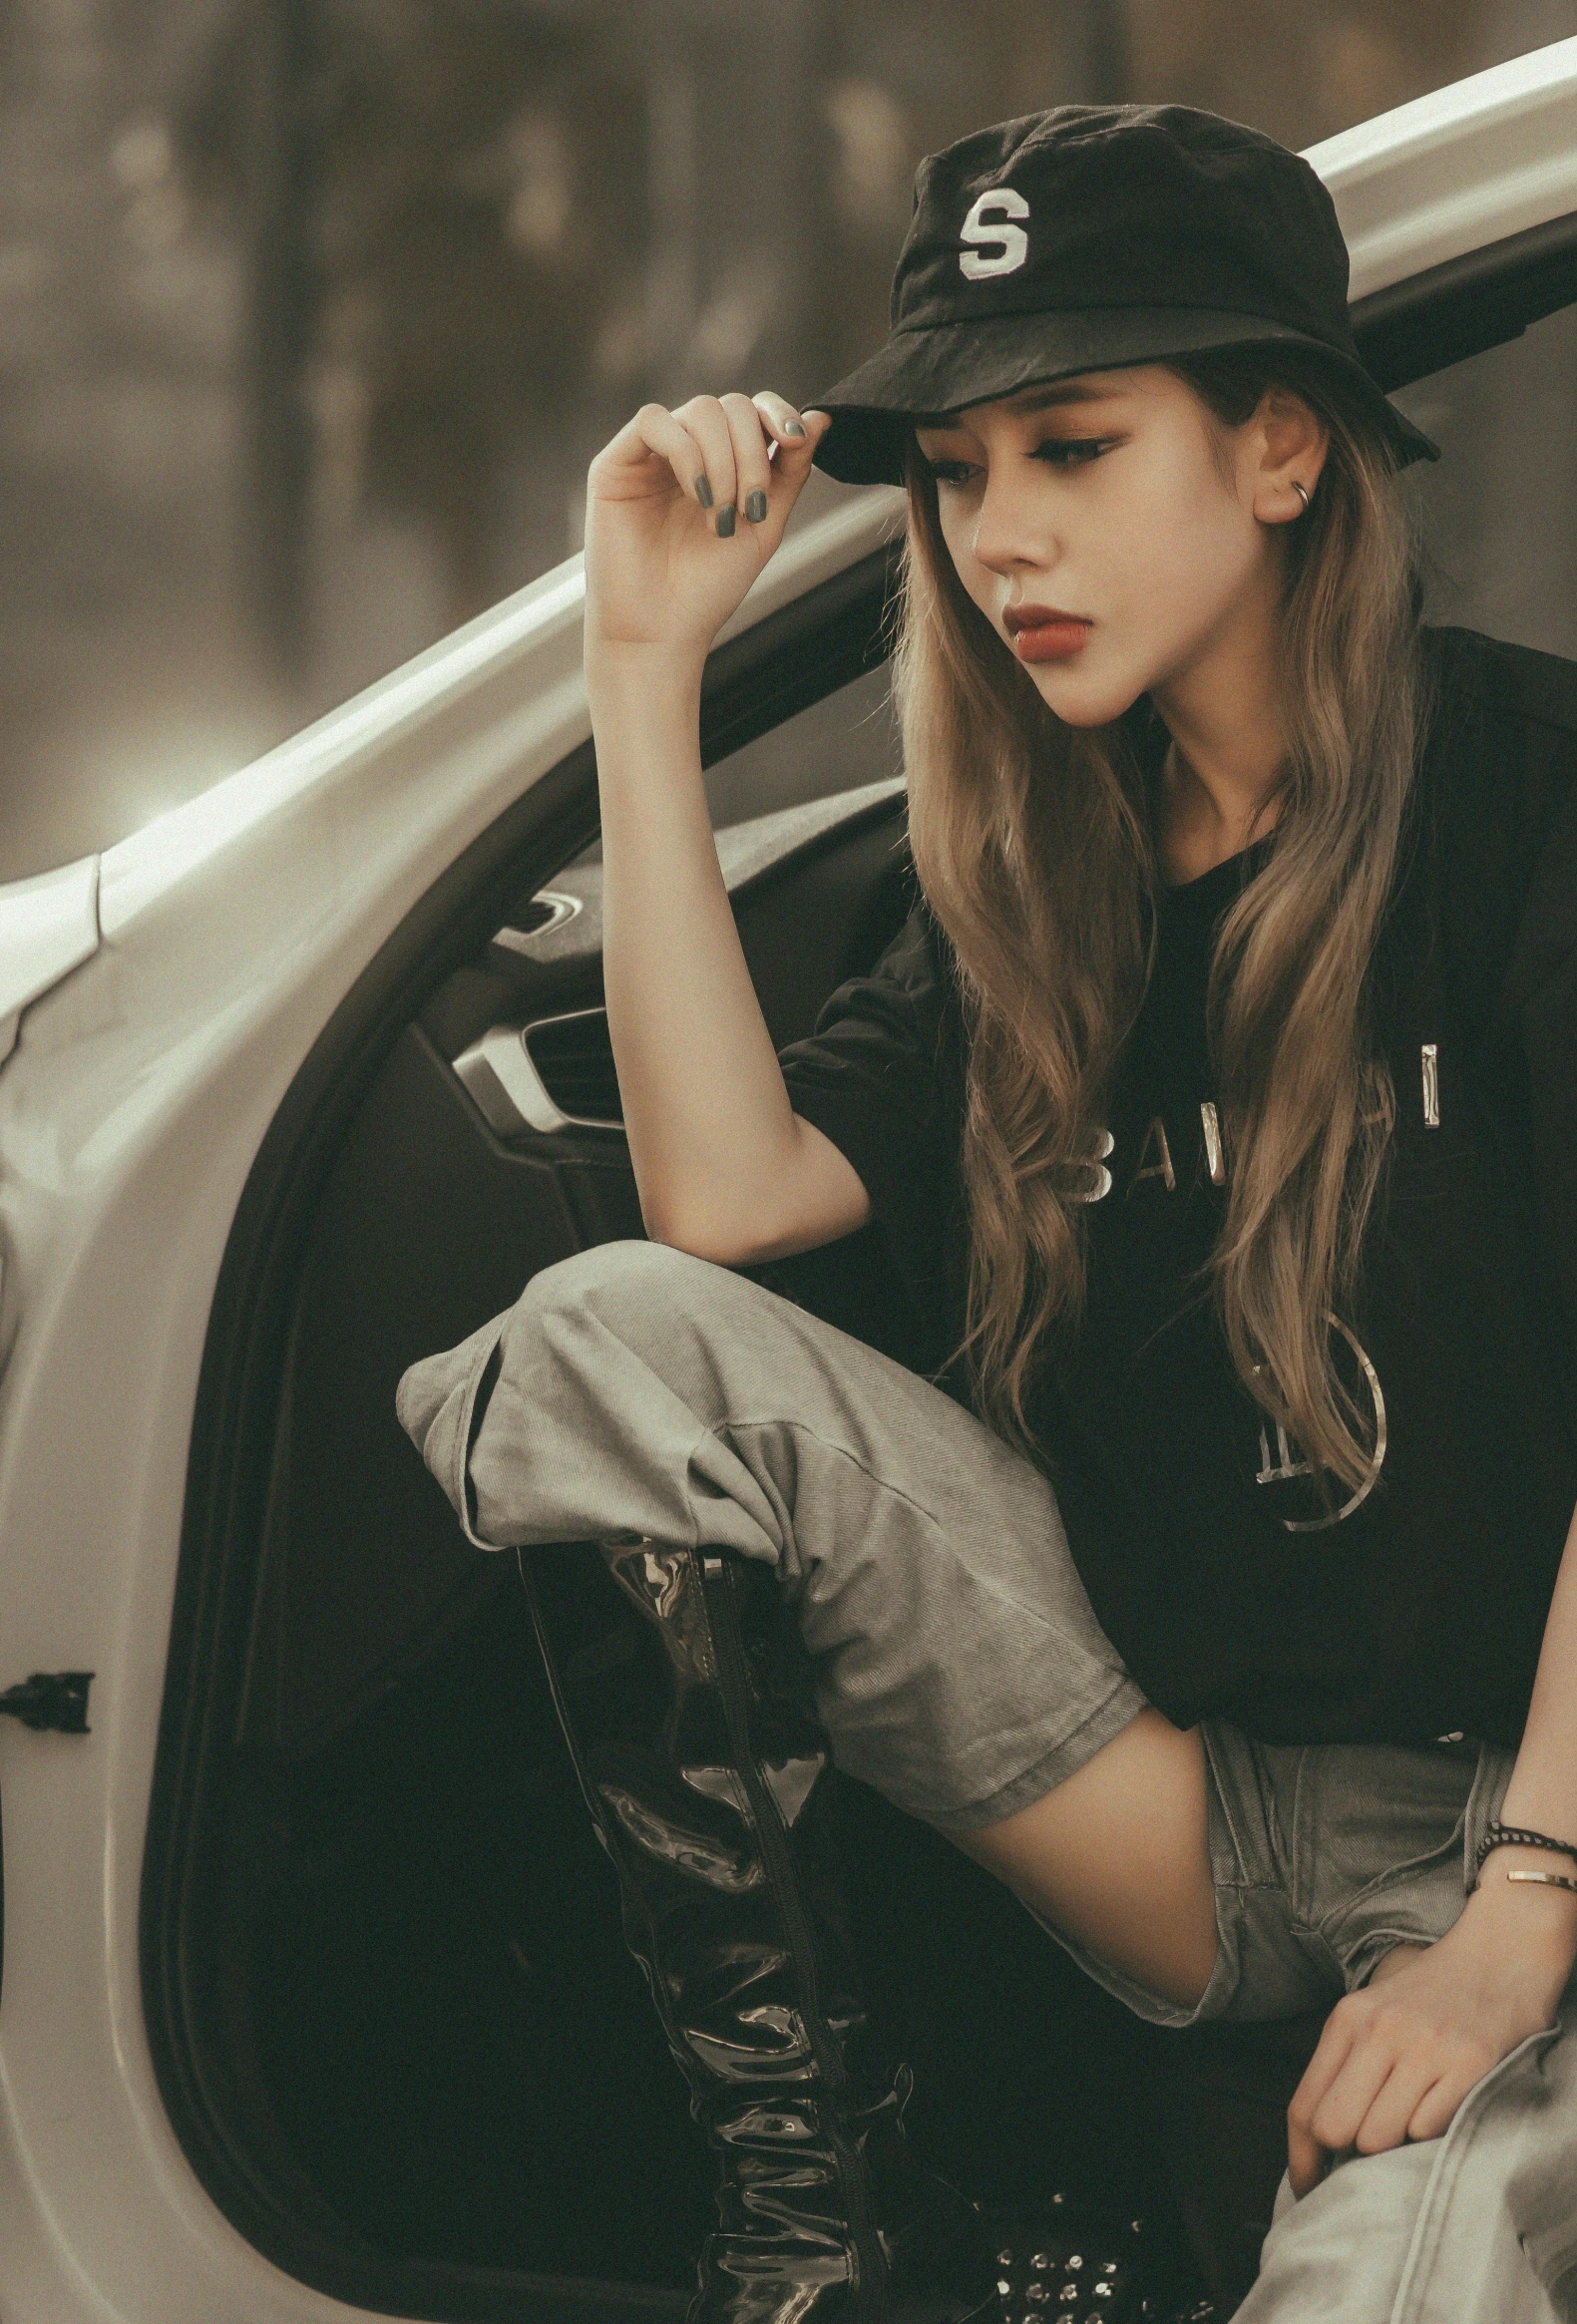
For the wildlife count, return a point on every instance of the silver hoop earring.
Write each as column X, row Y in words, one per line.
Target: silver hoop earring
column 1298, row 488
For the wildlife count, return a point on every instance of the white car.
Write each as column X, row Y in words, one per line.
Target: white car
column 314, row 2003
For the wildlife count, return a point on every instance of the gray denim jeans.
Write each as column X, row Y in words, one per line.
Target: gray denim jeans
column 960, row 1671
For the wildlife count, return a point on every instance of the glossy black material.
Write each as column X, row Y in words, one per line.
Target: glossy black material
column 685, row 1695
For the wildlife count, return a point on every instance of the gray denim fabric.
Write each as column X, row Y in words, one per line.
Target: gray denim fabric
column 960, row 1671
column 960, row 1667
column 1476, row 2227
column 1323, row 1856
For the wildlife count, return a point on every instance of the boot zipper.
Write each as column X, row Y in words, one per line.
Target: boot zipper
column 734, row 1675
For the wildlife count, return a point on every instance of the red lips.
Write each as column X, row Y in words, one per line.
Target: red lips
column 1042, row 633
column 1016, row 618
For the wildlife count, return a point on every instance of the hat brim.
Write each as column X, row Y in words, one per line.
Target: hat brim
column 946, row 367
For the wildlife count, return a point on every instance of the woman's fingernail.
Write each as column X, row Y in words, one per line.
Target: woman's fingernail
column 703, row 490
column 725, row 521
column 793, row 427
column 756, row 506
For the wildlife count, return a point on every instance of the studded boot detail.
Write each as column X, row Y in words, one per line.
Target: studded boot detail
column 683, row 1690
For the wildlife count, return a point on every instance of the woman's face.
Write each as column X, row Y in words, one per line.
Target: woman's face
column 1098, row 497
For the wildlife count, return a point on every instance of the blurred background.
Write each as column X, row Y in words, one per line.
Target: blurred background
column 312, row 312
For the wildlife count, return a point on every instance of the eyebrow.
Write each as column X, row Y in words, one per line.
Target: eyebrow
column 1034, row 399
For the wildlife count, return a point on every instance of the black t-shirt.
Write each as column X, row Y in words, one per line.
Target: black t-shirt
column 1415, row 1605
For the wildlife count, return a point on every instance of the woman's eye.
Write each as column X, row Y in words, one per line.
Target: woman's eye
column 1058, row 451
column 1057, row 445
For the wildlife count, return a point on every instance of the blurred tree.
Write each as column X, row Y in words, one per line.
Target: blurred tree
column 444, row 204
column 743, row 267
column 905, row 77
column 277, row 153
column 1097, row 35
column 1300, row 73
column 474, row 226
column 450, row 245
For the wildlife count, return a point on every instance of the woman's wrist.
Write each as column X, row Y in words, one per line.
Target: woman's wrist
column 645, row 724
column 619, row 670
column 1527, row 1914
column 1552, row 1860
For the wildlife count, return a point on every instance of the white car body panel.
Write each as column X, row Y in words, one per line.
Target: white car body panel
column 132, row 1107
column 129, row 1116
column 1466, row 166
column 48, row 927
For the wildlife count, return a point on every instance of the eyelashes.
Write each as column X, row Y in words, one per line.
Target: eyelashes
column 960, row 471
column 1093, row 444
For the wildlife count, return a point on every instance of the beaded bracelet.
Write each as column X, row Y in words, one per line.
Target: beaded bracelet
column 1505, row 1835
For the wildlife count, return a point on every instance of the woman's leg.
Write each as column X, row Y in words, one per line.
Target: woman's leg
column 1117, row 1855
column 960, row 1668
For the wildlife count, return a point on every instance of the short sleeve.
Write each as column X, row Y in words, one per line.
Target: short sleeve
column 881, row 1075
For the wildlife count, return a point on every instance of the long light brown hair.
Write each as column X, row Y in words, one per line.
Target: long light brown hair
column 1035, row 848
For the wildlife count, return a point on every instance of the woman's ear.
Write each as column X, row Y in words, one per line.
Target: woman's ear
column 1295, row 441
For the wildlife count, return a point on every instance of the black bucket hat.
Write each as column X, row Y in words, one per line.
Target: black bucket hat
column 1088, row 238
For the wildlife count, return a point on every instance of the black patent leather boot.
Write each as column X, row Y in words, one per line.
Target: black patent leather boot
column 682, row 1687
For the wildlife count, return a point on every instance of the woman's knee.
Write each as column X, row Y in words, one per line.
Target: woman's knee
column 607, row 1273
column 641, row 1293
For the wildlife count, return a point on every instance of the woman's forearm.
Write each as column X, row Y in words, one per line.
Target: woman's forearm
column 723, row 1165
column 1542, row 1795
column 1533, row 1919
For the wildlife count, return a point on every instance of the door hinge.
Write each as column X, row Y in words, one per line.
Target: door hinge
column 56, row 1701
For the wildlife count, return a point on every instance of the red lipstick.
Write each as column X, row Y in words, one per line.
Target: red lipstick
column 1044, row 632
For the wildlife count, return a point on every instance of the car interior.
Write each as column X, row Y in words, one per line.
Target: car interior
column 393, row 2017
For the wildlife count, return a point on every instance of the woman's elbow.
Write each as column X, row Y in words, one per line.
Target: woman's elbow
column 701, row 1231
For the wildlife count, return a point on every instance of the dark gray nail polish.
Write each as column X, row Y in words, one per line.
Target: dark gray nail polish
column 703, row 490
column 793, row 427
column 756, row 506
column 725, row 521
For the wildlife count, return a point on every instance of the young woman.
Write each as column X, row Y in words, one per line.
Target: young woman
column 1218, row 1594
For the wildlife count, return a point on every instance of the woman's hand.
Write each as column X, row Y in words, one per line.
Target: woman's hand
column 682, row 511
column 1398, row 2058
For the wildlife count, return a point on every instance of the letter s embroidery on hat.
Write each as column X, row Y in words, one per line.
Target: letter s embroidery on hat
column 986, row 223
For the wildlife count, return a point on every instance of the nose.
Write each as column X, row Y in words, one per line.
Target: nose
column 1007, row 534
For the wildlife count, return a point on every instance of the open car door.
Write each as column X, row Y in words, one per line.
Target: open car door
column 314, row 2002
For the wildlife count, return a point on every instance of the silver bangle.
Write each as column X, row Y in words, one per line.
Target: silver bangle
column 1547, row 1879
